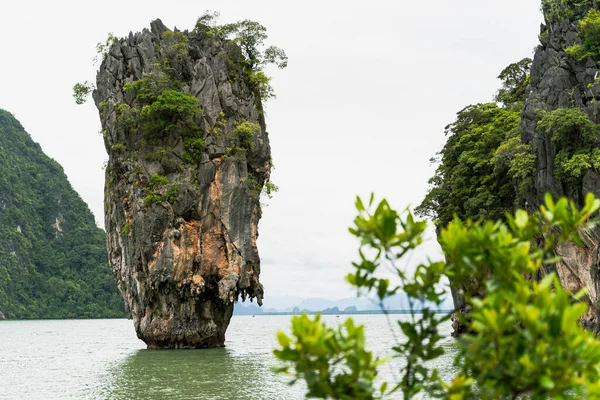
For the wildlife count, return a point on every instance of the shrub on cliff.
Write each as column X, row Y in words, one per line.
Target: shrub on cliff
column 589, row 32
column 524, row 340
column 574, row 136
column 556, row 10
column 249, row 36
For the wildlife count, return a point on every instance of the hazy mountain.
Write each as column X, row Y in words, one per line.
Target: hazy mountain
column 290, row 304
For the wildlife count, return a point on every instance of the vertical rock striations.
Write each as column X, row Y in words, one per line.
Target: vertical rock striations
column 188, row 157
column 560, row 81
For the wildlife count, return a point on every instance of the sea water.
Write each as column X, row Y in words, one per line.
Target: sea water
column 103, row 359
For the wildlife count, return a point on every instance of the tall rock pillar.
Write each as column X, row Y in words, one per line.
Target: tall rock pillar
column 188, row 157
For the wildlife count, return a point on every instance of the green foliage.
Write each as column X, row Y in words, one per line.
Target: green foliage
column 467, row 182
column 171, row 112
column 589, row 32
column 177, row 44
column 483, row 165
column 516, row 160
column 81, row 91
column 171, row 194
column 151, row 86
column 260, row 83
column 269, row 189
column 152, row 198
column 118, row 147
column 194, row 146
column 234, row 151
column 526, row 338
column 126, row 228
column 515, row 156
column 515, row 80
column 244, row 132
column 127, row 118
column 102, row 48
column 165, row 111
column 159, row 190
column 556, row 10
column 524, row 342
column 249, row 36
column 569, row 128
column 571, row 168
column 333, row 362
column 158, row 181
column 573, row 135
column 386, row 236
column 48, row 269
column 158, row 155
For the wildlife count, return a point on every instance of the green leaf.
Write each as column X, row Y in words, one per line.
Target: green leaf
column 283, row 339
column 546, row 382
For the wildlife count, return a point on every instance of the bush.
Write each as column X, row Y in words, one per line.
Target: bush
column 194, row 147
column 589, row 32
column 126, row 228
column 249, row 36
column 158, row 181
column 244, row 132
column 81, row 92
column 573, row 135
column 524, row 338
column 569, row 128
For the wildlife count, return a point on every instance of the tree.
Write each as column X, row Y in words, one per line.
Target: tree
column 466, row 182
column 249, row 36
column 515, row 80
column 589, row 32
column 81, row 91
column 483, row 167
column 524, row 340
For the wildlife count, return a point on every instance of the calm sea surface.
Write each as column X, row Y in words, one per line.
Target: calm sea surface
column 103, row 359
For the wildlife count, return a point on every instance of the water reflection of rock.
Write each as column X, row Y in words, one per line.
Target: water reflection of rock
column 193, row 374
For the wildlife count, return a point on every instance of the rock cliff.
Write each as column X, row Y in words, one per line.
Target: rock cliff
column 188, row 157
column 558, row 81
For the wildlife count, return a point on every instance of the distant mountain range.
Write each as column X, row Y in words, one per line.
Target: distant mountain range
column 274, row 304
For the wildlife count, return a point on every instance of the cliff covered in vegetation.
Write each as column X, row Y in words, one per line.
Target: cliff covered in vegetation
column 189, row 156
column 52, row 255
column 541, row 136
column 560, row 122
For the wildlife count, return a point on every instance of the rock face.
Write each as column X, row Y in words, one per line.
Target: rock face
column 560, row 81
column 182, row 188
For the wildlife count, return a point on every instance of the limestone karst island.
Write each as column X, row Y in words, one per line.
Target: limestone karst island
column 188, row 158
column 487, row 289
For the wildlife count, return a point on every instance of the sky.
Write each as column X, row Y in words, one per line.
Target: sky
column 361, row 107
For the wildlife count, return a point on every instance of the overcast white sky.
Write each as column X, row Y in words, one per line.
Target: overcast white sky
column 361, row 107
